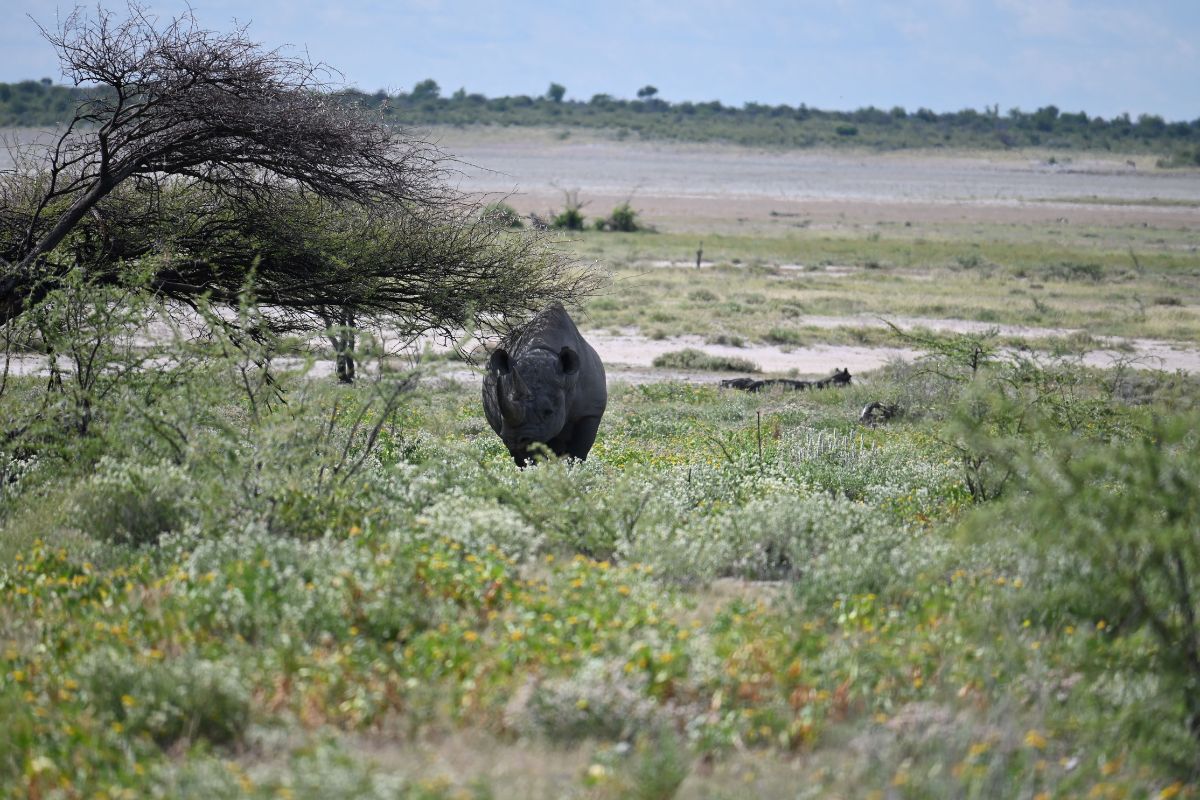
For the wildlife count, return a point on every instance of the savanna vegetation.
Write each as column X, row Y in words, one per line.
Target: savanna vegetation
column 240, row 585
column 787, row 283
column 223, row 575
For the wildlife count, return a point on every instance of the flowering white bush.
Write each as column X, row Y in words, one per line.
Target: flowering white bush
column 132, row 503
column 479, row 523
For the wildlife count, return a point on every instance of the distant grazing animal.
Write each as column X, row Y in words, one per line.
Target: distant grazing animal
column 545, row 384
column 840, row 377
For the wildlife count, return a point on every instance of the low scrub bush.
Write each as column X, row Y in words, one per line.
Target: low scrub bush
column 846, row 465
column 1183, row 157
column 600, row 701
column 480, row 523
column 830, row 548
column 578, row 507
column 504, row 214
column 175, row 699
column 129, row 503
column 1117, row 526
column 569, row 219
column 622, row 218
column 1074, row 271
column 785, row 336
column 691, row 358
column 726, row 340
column 320, row 770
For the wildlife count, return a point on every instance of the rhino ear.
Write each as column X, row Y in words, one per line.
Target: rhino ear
column 498, row 362
column 569, row 360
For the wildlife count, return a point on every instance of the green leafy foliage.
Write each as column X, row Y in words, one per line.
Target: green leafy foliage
column 570, row 219
column 623, row 218
column 1123, row 520
column 132, row 503
column 223, row 604
column 505, row 214
column 691, row 358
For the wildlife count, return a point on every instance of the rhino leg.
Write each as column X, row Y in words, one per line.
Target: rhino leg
column 583, row 437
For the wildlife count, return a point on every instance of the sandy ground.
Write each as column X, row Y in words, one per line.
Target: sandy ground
column 628, row 357
column 686, row 186
column 678, row 185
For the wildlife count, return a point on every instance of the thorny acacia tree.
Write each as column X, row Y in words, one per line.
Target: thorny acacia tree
column 204, row 156
column 334, row 264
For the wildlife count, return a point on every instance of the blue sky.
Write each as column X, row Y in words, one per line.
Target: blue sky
column 1104, row 57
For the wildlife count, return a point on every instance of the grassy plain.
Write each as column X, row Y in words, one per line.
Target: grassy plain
column 1048, row 287
column 232, row 588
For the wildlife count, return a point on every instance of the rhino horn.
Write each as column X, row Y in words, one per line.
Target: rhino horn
column 509, row 410
column 520, row 390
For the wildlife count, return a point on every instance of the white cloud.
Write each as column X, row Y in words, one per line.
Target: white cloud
column 1042, row 17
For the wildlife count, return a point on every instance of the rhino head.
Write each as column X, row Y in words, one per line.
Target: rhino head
column 533, row 393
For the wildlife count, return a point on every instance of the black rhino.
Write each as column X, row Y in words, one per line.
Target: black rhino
column 545, row 384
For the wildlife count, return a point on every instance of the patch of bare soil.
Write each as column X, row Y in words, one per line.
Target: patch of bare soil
column 630, row 349
column 634, row 350
column 688, row 185
column 629, row 356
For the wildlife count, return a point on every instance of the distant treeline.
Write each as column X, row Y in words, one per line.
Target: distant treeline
column 33, row 103
column 37, row 103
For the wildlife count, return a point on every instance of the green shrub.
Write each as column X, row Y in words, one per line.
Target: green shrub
column 660, row 767
column 570, row 218
column 1184, row 157
column 266, row 588
column 320, row 770
column 831, row 548
column 1074, row 271
column 691, row 358
column 480, row 523
column 503, row 214
column 187, row 698
column 623, row 218
column 726, row 340
column 132, row 503
column 1121, row 522
column 785, row 336
column 600, row 701
column 577, row 507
